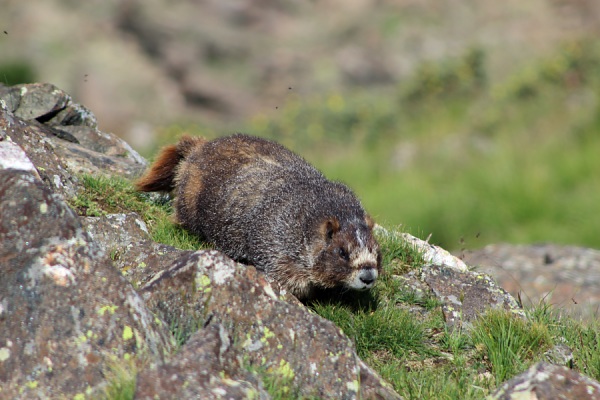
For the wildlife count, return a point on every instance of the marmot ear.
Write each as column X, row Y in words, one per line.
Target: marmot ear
column 328, row 227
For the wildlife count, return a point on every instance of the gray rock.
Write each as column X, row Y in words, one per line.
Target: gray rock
column 466, row 295
column 38, row 148
column 58, row 161
column 545, row 381
column 207, row 367
column 274, row 333
column 560, row 354
column 13, row 157
column 125, row 238
column 74, row 115
column 65, row 313
column 35, row 101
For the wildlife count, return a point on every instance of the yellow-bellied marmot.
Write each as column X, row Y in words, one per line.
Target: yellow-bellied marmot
column 262, row 204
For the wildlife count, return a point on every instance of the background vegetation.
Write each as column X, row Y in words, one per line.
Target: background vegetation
column 473, row 121
column 450, row 153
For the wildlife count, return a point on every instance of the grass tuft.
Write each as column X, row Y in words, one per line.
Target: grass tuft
column 388, row 330
column 121, row 377
column 103, row 195
column 509, row 342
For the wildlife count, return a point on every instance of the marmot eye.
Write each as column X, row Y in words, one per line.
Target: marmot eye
column 340, row 251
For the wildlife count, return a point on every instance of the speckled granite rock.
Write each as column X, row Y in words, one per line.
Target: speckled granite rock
column 308, row 350
column 466, row 294
column 125, row 238
column 31, row 116
column 545, row 381
column 64, row 310
column 205, row 368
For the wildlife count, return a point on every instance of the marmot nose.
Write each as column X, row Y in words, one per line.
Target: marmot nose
column 367, row 276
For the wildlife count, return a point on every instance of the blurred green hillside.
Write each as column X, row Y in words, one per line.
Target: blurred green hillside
column 475, row 122
column 450, row 153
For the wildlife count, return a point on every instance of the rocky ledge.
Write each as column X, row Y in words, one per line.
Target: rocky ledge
column 71, row 313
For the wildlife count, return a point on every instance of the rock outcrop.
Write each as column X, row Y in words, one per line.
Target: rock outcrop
column 545, row 381
column 81, row 295
column 68, row 307
column 65, row 311
column 206, row 368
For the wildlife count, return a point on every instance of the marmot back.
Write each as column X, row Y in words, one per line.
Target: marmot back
column 262, row 204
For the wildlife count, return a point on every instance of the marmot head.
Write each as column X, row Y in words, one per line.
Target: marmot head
column 350, row 257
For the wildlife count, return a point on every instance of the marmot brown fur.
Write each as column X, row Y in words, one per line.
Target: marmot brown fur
column 262, row 204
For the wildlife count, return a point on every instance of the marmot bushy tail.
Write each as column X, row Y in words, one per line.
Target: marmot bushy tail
column 161, row 177
column 262, row 204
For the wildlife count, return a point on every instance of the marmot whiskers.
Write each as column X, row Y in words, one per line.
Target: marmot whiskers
column 263, row 205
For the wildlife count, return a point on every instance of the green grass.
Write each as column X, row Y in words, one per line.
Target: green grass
column 422, row 359
column 389, row 331
column 103, row 195
column 510, row 343
column 121, row 380
column 583, row 337
column 15, row 72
